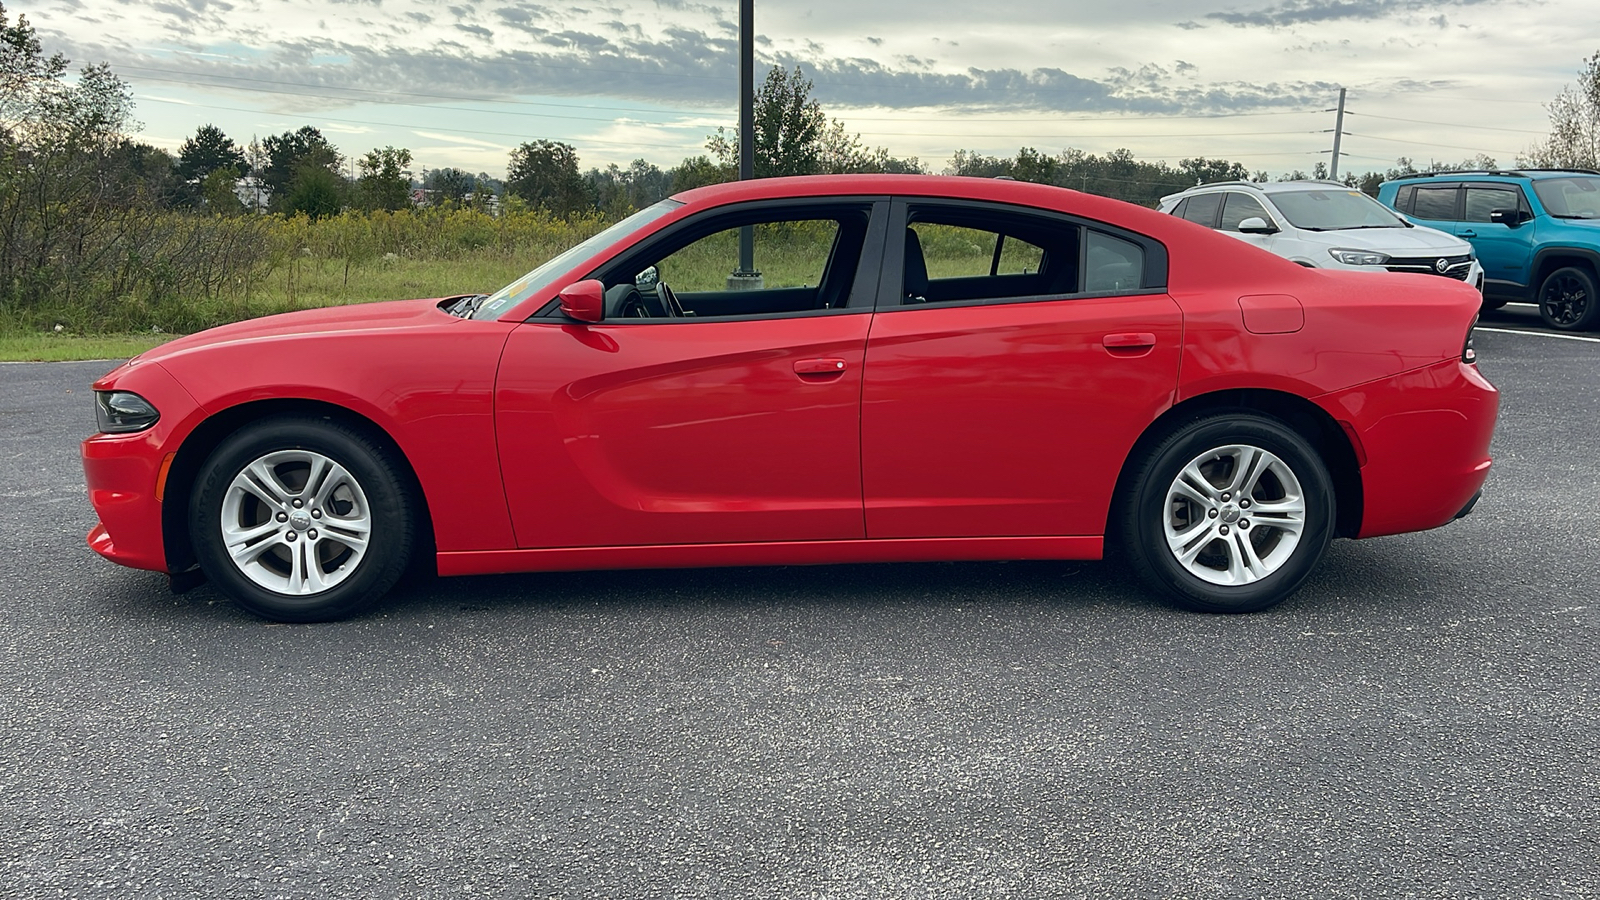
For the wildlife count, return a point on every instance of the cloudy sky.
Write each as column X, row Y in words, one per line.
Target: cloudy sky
column 460, row 85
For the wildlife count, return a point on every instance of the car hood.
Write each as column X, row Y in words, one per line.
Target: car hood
column 328, row 320
column 1417, row 241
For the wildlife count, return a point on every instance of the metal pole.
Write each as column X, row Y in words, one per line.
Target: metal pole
column 747, row 125
column 1338, row 131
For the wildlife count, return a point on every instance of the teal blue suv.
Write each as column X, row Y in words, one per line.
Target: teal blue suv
column 1536, row 231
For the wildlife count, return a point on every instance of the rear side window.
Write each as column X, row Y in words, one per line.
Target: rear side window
column 1240, row 207
column 1483, row 200
column 1403, row 198
column 1111, row 263
column 1202, row 209
column 1436, row 202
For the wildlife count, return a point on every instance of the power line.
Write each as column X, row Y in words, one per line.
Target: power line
column 1373, row 137
column 1446, row 124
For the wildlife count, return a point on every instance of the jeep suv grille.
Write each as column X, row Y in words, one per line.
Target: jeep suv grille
column 1457, row 268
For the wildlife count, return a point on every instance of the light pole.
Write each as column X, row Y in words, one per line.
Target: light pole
column 746, row 277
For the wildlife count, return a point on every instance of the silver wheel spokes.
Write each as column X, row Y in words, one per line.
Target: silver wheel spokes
column 295, row 522
column 1234, row 515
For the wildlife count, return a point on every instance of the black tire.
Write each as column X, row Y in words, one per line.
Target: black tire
column 1567, row 300
column 1492, row 305
column 378, row 495
column 1146, row 512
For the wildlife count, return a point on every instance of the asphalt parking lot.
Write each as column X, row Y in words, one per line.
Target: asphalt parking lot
column 1421, row 720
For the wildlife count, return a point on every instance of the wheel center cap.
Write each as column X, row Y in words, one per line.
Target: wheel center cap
column 1229, row 515
column 299, row 520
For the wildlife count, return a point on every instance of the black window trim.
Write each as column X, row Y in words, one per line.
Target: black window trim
column 1155, row 272
column 1216, row 215
column 861, row 300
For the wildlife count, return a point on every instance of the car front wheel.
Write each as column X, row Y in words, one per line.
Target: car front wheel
column 301, row 519
column 1229, row 513
column 1567, row 300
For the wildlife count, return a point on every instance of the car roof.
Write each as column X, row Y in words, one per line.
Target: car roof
column 1491, row 175
column 1264, row 187
column 954, row 187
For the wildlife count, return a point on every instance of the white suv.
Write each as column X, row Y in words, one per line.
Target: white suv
column 1325, row 225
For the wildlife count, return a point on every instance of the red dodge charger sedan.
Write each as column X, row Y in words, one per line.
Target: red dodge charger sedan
column 811, row 370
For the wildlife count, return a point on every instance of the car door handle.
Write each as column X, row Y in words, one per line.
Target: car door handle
column 830, row 366
column 1468, row 233
column 1129, row 340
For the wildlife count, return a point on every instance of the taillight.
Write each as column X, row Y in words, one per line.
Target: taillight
column 1468, row 354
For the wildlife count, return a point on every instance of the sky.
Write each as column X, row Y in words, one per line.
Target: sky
column 462, row 85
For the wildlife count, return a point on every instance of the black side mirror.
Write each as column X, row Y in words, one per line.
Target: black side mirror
column 1508, row 217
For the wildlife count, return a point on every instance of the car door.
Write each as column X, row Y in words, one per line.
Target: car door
column 1015, row 358
column 736, row 425
column 1238, row 206
column 1504, row 251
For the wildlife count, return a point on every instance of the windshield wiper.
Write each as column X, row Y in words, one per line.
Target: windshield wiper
column 1359, row 227
column 464, row 307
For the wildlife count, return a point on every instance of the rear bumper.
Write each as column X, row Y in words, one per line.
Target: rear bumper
column 1424, row 436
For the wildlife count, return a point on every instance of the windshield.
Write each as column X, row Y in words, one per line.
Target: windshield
column 1334, row 209
column 542, row 277
column 1570, row 197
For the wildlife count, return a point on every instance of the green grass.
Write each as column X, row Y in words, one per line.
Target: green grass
column 52, row 347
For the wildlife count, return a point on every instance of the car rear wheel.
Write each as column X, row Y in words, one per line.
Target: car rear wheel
column 301, row 519
column 1567, row 300
column 1229, row 513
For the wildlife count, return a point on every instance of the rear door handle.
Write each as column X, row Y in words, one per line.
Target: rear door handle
column 830, row 366
column 1129, row 340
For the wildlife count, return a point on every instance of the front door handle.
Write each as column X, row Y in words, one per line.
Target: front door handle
column 1468, row 233
column 1129, row 340
column 830, row 366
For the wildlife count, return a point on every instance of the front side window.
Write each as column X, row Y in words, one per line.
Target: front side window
column 1483, row 200
column 1239, row 207
column 801, row 260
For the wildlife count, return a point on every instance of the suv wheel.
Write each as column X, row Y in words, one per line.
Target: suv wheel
column 1567, row 300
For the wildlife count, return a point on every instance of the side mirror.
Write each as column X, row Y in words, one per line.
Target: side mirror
column 1257, row 225
column 1510, row 217
column 584, row 301
column 649, row 278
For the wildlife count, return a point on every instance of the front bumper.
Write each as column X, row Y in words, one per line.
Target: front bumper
column 1424, row 436
column 122, row 471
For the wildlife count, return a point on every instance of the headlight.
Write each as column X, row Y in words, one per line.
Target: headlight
column 1359, row 257
column 121, row 412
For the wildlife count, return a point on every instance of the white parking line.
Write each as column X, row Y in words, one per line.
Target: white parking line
column 1564, row 337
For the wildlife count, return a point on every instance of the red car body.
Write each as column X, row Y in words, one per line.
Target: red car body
column 980, row 431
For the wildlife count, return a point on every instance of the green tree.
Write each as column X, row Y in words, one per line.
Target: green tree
column 288, row 153
column 216, row 191
column 1574, row 141
column 699, row 171
column 384, row 182
column 209, row 150
column 545, row 174
column 315, row 191
column 69, row 176
column 788, row 125
column 450, row 184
